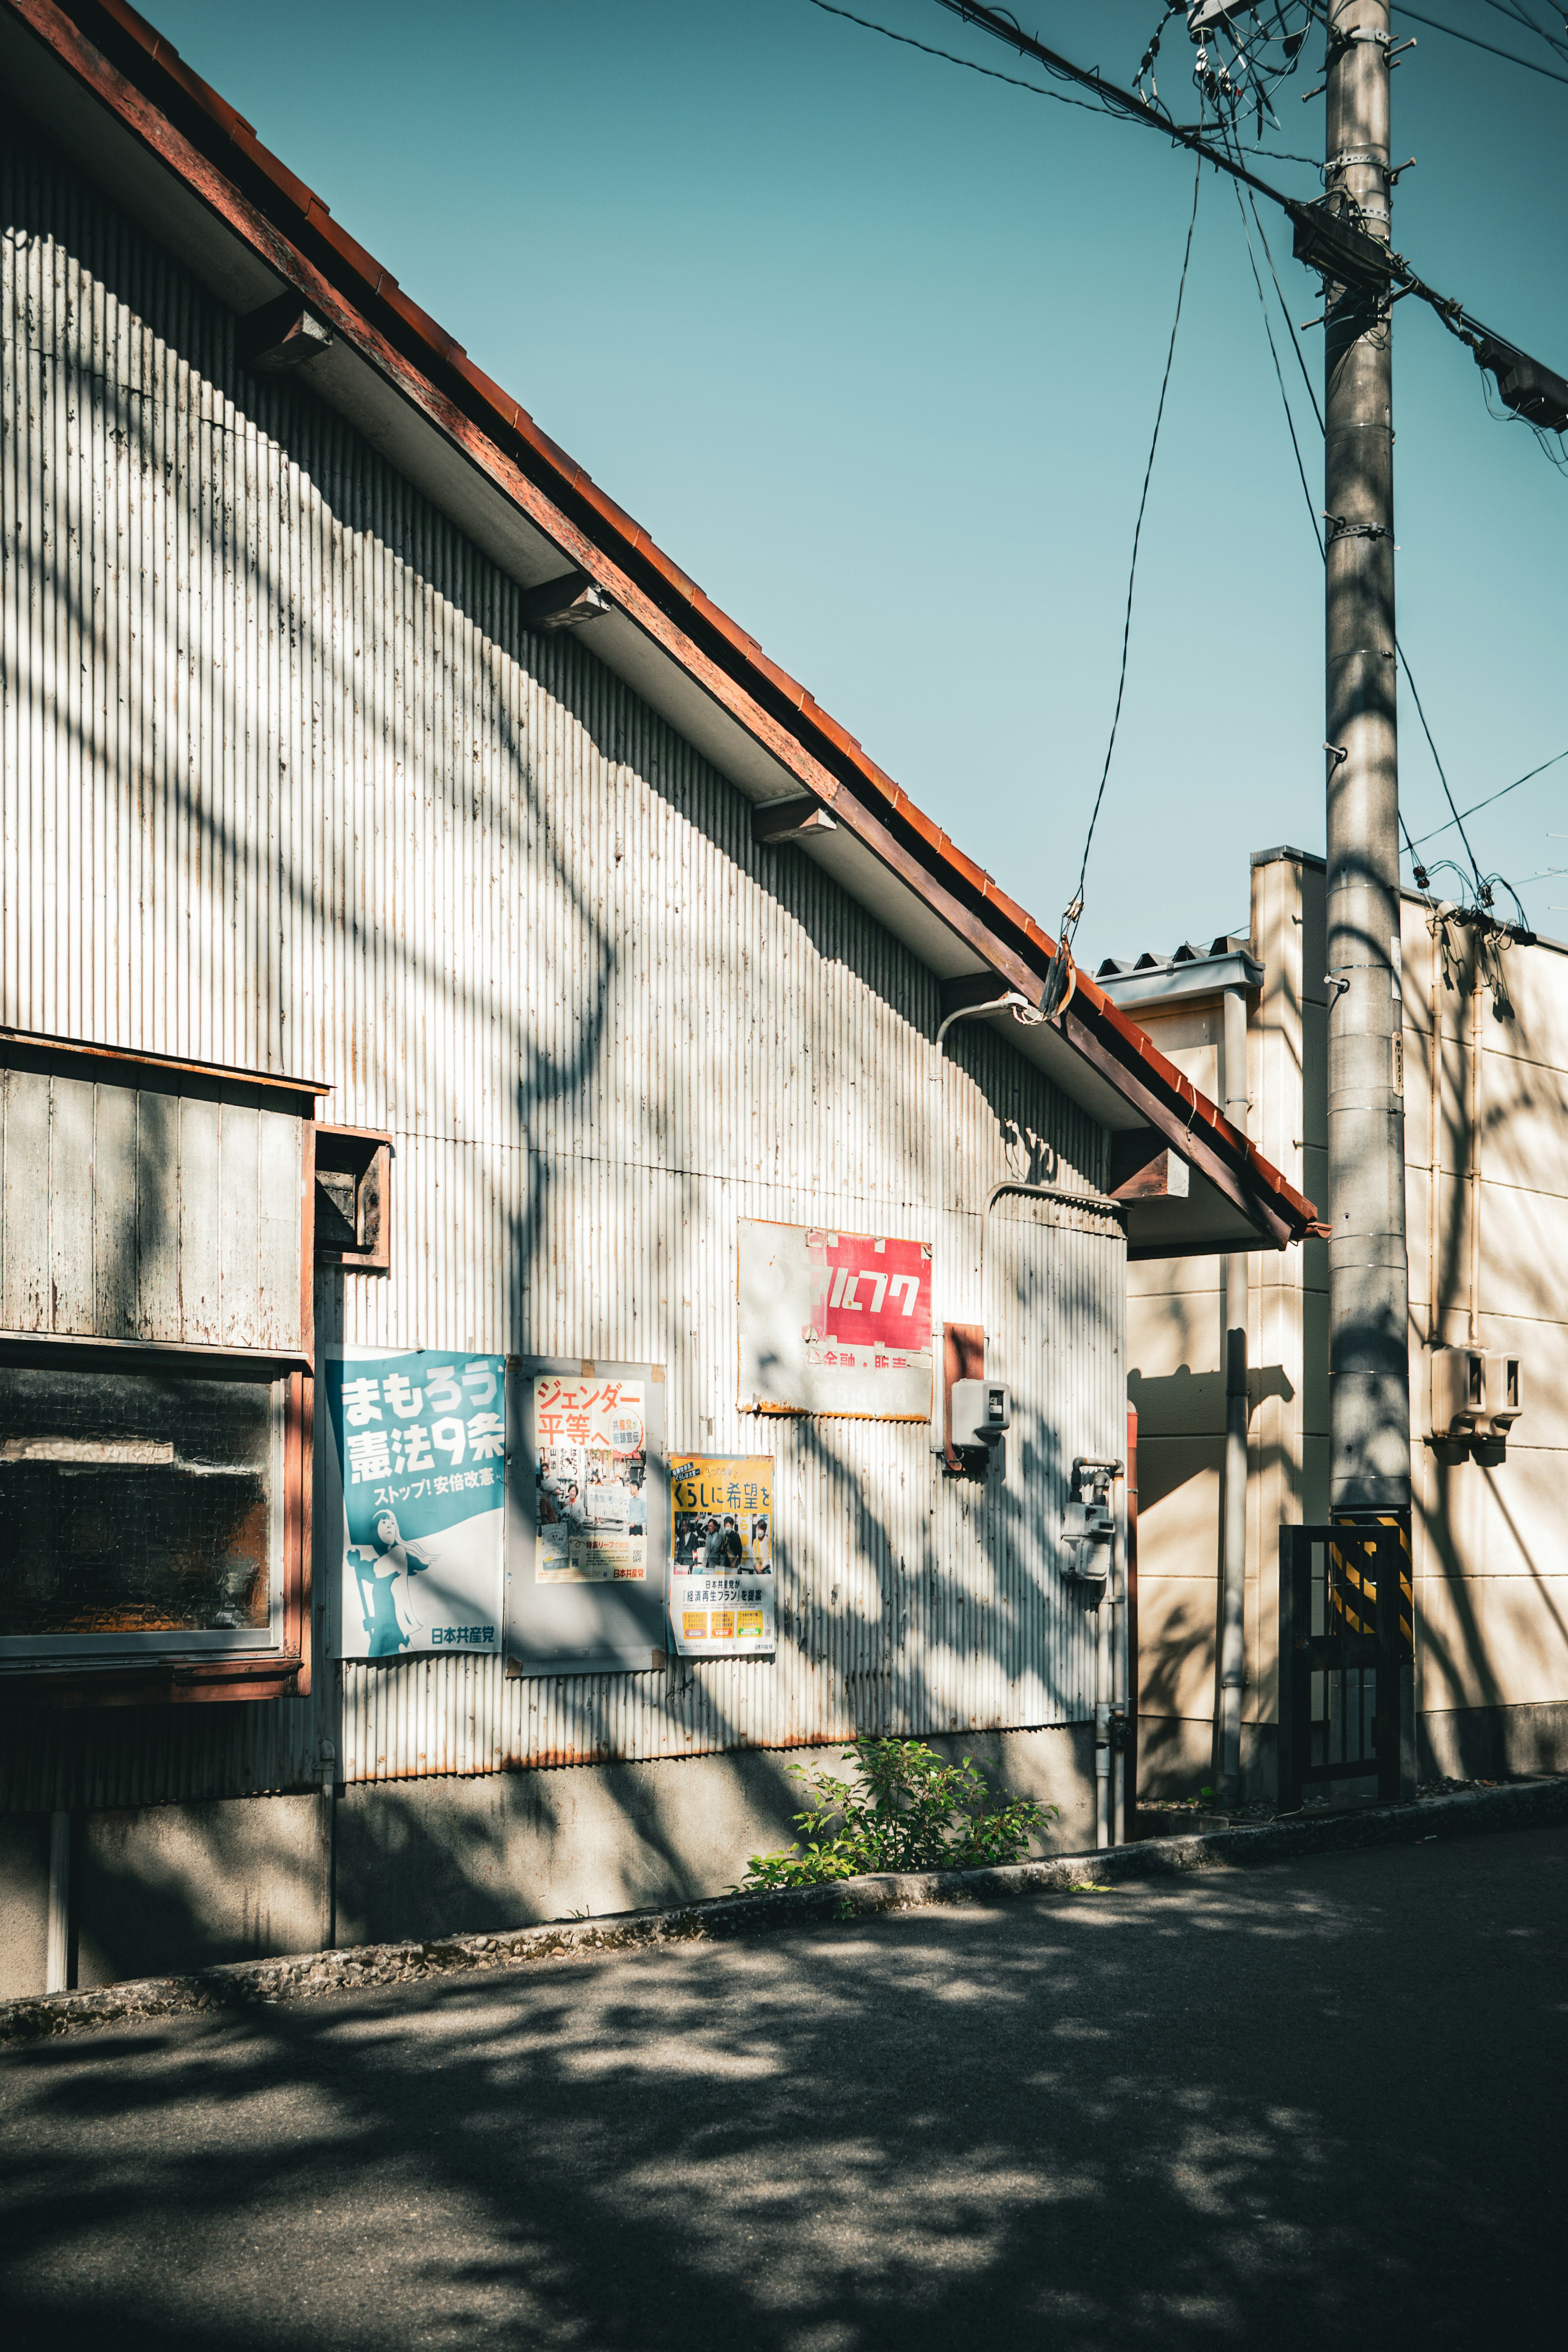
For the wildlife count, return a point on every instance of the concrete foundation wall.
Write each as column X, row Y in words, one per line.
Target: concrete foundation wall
column 160, row 1889
column 1487, row 1743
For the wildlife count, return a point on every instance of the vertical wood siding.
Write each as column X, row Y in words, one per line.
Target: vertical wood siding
column 288, row 785
column 135, row 1211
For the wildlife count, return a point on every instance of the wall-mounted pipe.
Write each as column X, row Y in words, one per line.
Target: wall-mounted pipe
column 1121, row 1674
column 58, row 1932
column 1230, row 1662
column 1233, row 1591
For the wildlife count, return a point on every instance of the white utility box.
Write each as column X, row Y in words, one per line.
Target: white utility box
column 979, row 1412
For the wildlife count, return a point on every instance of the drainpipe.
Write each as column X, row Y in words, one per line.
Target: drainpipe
column 56, row 1949
column 1111, row 1670
column 1231, row 1663
column 1120, row 1676
column 1102, row 1726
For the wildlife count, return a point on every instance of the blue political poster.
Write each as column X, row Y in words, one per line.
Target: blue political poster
column 420, row 1437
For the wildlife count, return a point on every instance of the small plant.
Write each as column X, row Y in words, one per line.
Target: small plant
column 907, row 1810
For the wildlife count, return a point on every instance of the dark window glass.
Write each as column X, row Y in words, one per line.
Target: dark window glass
column 137, row 1503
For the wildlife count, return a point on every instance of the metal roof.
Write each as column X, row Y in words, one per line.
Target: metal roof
column 132, row 115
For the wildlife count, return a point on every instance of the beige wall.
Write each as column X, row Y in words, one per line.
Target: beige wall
column 1492, row 1567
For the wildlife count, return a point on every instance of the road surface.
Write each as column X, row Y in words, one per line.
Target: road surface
column 1323, row 2103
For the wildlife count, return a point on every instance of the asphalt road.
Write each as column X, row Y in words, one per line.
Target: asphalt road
column 1320, row 2103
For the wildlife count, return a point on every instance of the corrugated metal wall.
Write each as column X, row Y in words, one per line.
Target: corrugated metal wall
column 288, row 785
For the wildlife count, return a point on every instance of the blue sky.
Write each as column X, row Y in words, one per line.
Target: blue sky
column 872, row 346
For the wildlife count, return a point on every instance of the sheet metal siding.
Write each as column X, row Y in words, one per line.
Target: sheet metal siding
column 288, row 785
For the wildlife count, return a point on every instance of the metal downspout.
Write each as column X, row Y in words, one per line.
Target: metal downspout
column 1111, row 1670
column 1102, row 1726
column 1120, row 1677
column 1231, row 1661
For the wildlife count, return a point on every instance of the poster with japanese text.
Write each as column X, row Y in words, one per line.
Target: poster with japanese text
column 833, row 1322
column 722, row 1554
column 421, row 1449
column 590, row 1480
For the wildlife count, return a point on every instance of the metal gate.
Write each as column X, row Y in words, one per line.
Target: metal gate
column 1346, row 1679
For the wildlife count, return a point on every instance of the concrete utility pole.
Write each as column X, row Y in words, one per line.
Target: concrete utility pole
column 1369, row 1365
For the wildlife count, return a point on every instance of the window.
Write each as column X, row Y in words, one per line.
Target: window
column 157, row 1388
column 138, row 1508
column 353, row 1198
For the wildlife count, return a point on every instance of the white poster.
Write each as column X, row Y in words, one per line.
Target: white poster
column 590, row 1480
column 421, row 1449
column 834, row 1323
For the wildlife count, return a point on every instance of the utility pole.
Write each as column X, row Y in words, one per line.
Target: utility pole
column 1369, row 1363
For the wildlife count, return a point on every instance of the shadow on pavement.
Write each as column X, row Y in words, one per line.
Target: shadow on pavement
column 1322, row 2102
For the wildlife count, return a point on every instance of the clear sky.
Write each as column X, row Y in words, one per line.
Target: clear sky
column 872, row 346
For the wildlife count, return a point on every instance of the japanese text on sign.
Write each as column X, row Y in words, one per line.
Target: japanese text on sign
column 833, row 1322
column 421, row 1443
column 590, row 1480
column 720, row 1556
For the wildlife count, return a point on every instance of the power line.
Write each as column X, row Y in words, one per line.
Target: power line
column 1336, row 248
column 1435, row 26
column 948, row 58
column 1521, row 16
column 1436, row 763
column 1476, row 806
column 1278, row 375
column 1300, row 469
column 1070, row 918
column 907, row 40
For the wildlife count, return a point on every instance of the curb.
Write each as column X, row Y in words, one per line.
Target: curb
column 252, row 1984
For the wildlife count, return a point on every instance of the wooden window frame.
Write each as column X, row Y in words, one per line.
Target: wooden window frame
column 375, row 1149
column 283, row 1671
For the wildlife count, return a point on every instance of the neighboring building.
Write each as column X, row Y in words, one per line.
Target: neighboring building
column 1488, row 1245
column 471, row 1024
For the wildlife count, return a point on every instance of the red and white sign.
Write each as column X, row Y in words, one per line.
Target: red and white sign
column 834, row 1323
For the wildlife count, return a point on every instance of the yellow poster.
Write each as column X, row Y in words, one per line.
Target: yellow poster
column 722, row 1555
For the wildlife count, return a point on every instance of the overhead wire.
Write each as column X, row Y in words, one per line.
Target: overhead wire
column 1456, row 818
column 1521, row 16
column 1436, row 25
column 1476, row 806
column 1135, row 107
column 908, row 41
column 1033, row 89
column 1074, row 909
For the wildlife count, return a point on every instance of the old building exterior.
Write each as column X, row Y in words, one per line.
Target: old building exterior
column 436, row 937
column 1486, row 1121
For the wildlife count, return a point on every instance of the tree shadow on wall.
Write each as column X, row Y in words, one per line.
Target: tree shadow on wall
column 527, row 735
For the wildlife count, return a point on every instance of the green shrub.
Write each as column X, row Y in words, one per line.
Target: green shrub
column 908, row 1811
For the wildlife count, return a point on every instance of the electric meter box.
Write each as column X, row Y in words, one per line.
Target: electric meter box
column 980, row 1413
column 1505, row 1393
column 1089, row 1531
column 1475, row 1392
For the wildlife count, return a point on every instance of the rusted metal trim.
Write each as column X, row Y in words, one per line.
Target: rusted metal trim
column 1191, row 1137
column 280, row 1359
column 35, row 1040
column 269, row 1673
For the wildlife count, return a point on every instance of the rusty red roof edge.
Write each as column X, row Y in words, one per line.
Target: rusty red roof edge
column 121, row 56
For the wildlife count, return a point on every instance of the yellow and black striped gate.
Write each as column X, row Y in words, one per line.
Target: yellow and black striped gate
column 1346, row 1684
